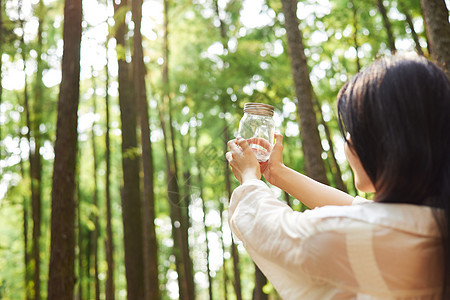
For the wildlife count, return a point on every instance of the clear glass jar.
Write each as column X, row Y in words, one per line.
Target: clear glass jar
column 258, row 127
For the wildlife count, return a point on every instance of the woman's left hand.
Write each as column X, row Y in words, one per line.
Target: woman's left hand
column 243, row 162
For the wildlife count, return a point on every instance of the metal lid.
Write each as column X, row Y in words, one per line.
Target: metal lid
column 259, row 109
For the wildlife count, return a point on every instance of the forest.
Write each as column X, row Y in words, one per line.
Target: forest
column 114, row 119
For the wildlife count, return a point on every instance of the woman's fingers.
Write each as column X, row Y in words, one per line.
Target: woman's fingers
column 278, row 142
column 261, row 142
column 278, row 138
column 242, row 143
column 228, row 156
column 233, row 147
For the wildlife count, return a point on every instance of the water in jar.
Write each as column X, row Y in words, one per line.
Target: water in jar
column 257, row 127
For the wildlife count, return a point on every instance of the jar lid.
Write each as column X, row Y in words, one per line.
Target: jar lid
column 259, row 109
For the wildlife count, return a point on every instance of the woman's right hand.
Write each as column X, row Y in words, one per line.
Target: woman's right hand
column 275, row 163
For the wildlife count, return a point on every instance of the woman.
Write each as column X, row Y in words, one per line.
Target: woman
column 395, row 117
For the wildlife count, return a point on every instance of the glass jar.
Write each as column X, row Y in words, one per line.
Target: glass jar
column 258, row 127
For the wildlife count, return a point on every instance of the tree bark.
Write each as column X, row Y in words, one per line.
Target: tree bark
column 131, row 196
column 405, row 11
column 95, row 234
column 88, row 256
column 25, row 203
column 27, row 258
column 25, row 249
column 435, row 14
column 35, row 157
column 387, row 25
column 355, row 35
column 205, row 227
column 312, row 148
column 287, row 198
column 334, row 166
column 148, row 197
column 176, row 218
column 79, row 233
column 260, row 282
column 224, row 261
column 109, row 244
column 179, row 222
column 234, row 252
column 62, row 244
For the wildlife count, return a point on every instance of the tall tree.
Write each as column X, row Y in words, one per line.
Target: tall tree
column 25, row 240
column 405, row 10
column 355, row 33
column 334, row 166
column 387, row 26
column 234, row 252
column 26, row 105
column 109, row 245
column 79, row 233
column 62, row 245
column 198, row 160
column 95, row 234
column 435, row 14
column 178, row 219
column 148, row 196
column 131, row 194
column 35, row 156
column 312, row 148
column 260, row 282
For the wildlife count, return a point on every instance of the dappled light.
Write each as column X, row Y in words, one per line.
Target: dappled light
column 114, row 179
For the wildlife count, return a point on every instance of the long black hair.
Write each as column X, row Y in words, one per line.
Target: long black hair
column 397, row 113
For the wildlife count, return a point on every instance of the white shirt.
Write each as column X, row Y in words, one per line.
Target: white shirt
column 364, row 251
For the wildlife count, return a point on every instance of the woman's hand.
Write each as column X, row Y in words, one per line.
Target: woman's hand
column 243, row 162
column 275, row 162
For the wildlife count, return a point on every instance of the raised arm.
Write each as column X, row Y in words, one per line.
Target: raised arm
column 308, row 191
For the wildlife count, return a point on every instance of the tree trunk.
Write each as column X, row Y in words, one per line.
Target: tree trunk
column 131, row 196
column 355, row 35
column 88, row 256
column 224, row 260
column 79, row 233
column 109, row 245
column 25, row 250
column 35, row 158
column 62, row 244
column 405, row 11
column 95, row 234
column 435, row 14
column 179, row 222
column 287, row 198
column 148, row 197
column 387, row 25
column 335, row 169
column 312, row 148
column 260, row 282
column 27, row 258
column 35, row 170
column 234, row 252
column 177, row 219
column 205, row 228
column 187, row 178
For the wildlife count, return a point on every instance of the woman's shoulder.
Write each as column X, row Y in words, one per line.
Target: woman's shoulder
column 410, row 218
